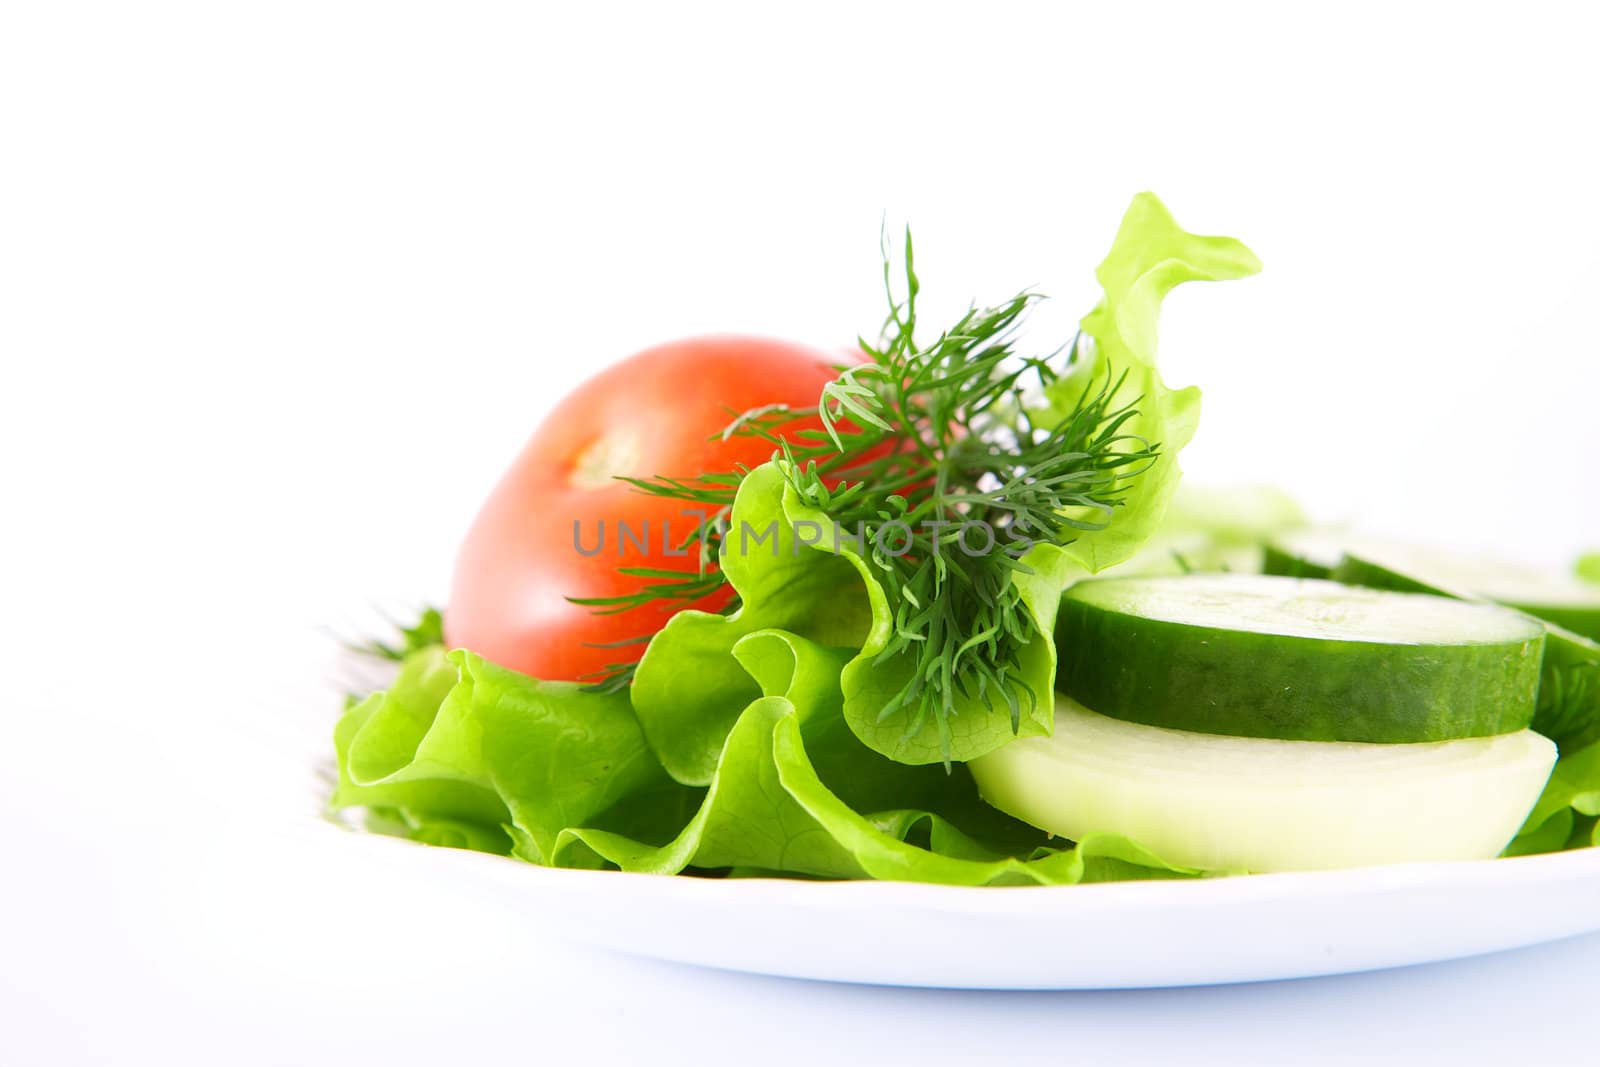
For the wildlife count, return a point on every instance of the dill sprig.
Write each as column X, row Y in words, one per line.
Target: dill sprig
column 426, row 631
column 919, row 446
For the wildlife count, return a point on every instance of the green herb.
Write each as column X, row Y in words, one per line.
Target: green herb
column 426, row 632
column 934, row 456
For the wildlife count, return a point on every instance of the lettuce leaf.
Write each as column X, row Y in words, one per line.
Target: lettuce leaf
column 377, row 744
column 1588, row 567
column 438, row 831
column 689, row 689
column 1151, row 256
column 479, row 747
column 745, row 817
column 1568, row 710
column 796, row 792
column 462, row 753
column 1573, row 791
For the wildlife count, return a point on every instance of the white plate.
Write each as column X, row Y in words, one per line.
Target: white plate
column 1106, row 936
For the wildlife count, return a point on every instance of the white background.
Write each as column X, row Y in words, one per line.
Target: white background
column 283, row 286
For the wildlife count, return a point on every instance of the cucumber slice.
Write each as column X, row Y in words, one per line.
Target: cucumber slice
column 1568, row 708
column 1281, row 561
column 1570, row 602
column 1242, row 804
column 1293, row 658
column 1307, row 554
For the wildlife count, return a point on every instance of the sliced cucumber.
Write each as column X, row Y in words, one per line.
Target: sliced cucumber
column 1306, row 554
column 1282, row 561
column 1570, row 602
column 1291, row 658
column 1568, row 709
column 1250, row 804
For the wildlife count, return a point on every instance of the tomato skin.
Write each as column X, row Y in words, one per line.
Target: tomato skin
column 655, row 413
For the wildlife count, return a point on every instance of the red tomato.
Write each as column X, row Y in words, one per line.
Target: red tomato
column 657, row 413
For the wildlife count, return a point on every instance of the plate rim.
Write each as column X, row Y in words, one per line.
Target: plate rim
column 1577, row 864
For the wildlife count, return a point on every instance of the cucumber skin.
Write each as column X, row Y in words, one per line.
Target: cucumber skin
column 1247, row 684
column 1275, row 559
column 1352, row 570
column 1585, row 622
column 1568, row 708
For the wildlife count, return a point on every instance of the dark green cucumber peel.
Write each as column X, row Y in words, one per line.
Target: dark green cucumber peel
column 1303, row 554
column 1353, row 570
column 1568, row 709
column 1212, row 679
column 1580, row 618
column 1583, row 621
column 1284, row 561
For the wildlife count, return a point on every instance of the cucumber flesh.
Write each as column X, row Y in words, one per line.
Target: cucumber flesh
column 1568, row 601
column 1568, row 707
column 1239, row 804
column 1296, row 659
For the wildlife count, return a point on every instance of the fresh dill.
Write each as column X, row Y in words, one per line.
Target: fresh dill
column 427, row 631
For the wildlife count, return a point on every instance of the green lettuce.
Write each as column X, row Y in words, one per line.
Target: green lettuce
column 1568, row 710
column 746, row 818
column 1588, row 567
column 459, row 739
column 689, row 689
column 377, row 743
column 1564, row 815
column 1150, row 257
column 460, row 752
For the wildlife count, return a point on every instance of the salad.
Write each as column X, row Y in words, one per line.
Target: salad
column 935, row 609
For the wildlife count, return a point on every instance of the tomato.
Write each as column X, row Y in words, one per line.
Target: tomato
column 534, row 543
